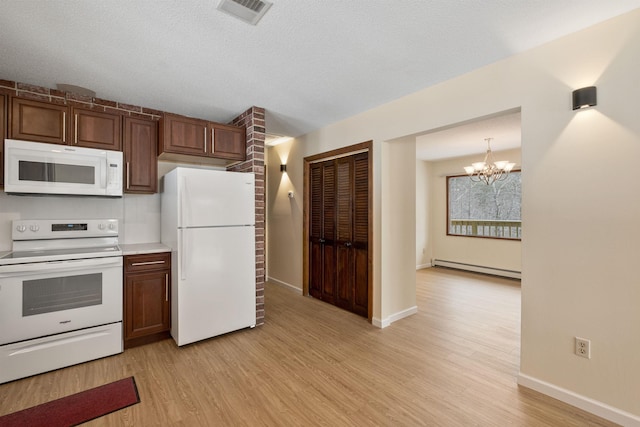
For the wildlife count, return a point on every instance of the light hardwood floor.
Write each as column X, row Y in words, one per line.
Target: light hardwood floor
column 452, row 364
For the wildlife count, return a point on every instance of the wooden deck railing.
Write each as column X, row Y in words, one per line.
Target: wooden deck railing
column 486, row 228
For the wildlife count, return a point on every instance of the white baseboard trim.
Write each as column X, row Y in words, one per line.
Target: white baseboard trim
column 478, row 268
column 574, row 399
column 383, row 323
column 421, row 266
column 379, row 323
column 285, row 284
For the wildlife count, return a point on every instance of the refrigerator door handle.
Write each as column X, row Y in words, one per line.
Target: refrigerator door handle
column 182, row 197
column 183, row 255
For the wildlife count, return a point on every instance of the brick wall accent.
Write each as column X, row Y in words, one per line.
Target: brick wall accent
column 55, row 96
column 253, row 121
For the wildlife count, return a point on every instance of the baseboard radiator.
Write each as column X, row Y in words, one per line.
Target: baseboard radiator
column 477, row 268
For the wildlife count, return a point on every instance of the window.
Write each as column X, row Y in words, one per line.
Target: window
column 479, row 210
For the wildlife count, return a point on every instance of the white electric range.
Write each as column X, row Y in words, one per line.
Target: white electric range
column 60, row 295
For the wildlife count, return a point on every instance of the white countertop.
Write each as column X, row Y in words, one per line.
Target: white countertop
column 144, row 248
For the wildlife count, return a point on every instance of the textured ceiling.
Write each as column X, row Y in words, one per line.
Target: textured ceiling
column 309, row 63
column 469, row 138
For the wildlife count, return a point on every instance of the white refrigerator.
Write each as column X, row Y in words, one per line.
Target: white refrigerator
column 208, row 221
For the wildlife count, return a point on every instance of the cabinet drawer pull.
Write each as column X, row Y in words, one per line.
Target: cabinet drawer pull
column 76, row 137
column 146, row 263
column 64, row 126
column 166, row 287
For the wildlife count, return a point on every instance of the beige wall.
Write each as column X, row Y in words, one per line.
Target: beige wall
column 284, row 215
column 399, row 236
column 424, row 253
column 580, row 203
column 494, row 253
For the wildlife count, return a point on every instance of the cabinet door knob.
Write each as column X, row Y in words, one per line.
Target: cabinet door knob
column 322, row 240
column 348, row 244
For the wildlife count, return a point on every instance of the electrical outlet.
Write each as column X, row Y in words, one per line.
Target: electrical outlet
column 583, row 347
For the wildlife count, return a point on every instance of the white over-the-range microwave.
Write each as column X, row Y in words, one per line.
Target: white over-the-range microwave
column 37, row 168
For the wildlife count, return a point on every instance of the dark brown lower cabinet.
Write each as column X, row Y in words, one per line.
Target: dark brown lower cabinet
column 339, row 232
column 147, row 298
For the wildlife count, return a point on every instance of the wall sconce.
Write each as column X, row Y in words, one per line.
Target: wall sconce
column 585, row 97
column 283, row 168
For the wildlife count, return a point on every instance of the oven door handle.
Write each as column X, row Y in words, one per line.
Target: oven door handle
column 13, row 270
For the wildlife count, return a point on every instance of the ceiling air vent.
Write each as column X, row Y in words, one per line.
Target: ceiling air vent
column 249, row 11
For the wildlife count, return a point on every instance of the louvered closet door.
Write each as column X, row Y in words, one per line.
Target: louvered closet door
column 361, row 234
column 344, row 232
column 322, row 240
column 352, row 221
column 339, row 224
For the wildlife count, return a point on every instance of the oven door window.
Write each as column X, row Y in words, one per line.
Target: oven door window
column 61, row 293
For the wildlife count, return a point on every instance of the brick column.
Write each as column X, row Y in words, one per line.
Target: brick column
column 253, row 121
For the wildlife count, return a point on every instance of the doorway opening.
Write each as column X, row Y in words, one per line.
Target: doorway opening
column 443, row 153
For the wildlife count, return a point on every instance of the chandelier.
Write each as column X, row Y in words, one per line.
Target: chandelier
column 489, row 171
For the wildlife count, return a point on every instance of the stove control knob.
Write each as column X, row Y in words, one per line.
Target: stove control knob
column 112, row 226
column 101, row 226
column 34, row 228
column 21, row 228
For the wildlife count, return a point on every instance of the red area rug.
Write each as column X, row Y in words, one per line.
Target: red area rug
column 77, row 408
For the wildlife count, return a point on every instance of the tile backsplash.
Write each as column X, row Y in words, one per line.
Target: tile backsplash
column 141, row 218
column 54, row 207
column 138, row 214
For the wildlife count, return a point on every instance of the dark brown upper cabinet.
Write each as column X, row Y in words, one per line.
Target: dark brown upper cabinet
column 140, row 155
column 42, row 121
column 94, row 129
column 182, row 135
column 38, row 121
column 228, row 142
column 195, row 137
